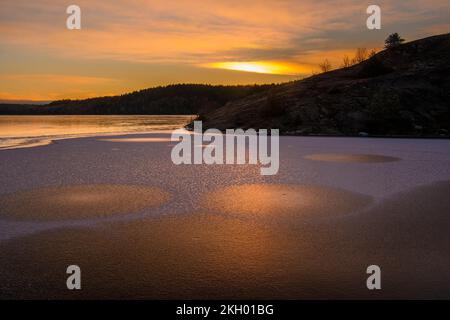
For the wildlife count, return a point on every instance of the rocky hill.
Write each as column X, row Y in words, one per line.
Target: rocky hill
column 400, row 91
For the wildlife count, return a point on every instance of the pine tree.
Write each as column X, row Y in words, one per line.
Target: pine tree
column 393, row 40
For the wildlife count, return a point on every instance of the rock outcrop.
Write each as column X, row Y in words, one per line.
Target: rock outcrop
column 399, row 91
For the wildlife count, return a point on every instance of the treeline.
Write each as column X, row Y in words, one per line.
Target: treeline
column 361, row 54
column 172, row 99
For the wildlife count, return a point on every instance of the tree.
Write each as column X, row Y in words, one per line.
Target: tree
column 325, row 66
column 372, row 53
column 360, row 55
column 393, row 40
column 346, row 62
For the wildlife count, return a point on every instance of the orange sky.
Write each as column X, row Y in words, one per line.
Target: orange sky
column 125, row 45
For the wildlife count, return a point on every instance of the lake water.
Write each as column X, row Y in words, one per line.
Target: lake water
column 29, row 131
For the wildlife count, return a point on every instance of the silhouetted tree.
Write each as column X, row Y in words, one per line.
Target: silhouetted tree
column 346, row 62
column 171, row 99
column 372, row 53
column 393, row 40
column 360, row 55
column 325, row 66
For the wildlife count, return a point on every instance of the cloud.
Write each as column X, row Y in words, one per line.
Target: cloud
column 186, row 31
column 57, row 78
column 172, row 33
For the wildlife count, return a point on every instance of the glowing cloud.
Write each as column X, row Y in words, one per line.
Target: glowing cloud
column 128, row 45
column 259, row 67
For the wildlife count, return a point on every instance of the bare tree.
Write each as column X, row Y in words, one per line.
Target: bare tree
column 325, row 66
column 372, row 53
column 360, row 55
column 346, row 62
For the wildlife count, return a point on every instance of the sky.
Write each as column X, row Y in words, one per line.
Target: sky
column 127, row 45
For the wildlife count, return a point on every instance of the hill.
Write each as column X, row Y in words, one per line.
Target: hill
column 399, row 91
column 172, row 99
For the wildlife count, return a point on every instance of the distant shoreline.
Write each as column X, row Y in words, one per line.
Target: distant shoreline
column 318, row 135
column 188, row 128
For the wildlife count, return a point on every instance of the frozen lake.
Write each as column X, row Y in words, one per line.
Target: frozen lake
column 124, row 211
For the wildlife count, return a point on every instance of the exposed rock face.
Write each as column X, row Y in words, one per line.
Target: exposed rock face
column 399, row 91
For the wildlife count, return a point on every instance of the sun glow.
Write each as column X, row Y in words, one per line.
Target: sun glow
column 259, row 67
